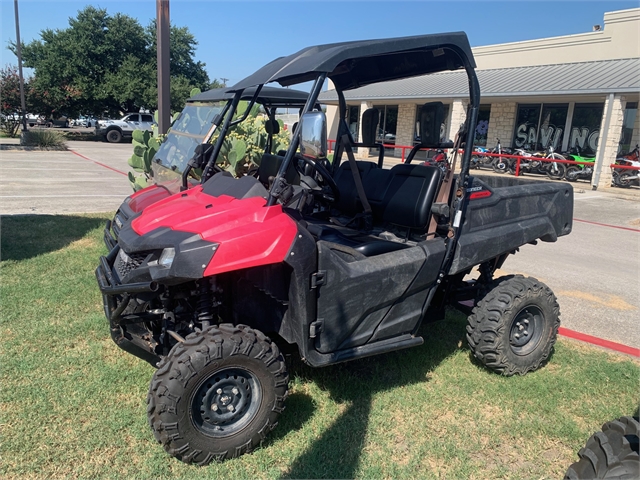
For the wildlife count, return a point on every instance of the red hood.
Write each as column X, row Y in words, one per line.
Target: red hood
column 248, row 233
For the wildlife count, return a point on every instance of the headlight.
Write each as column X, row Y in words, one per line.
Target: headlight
column 166, row 257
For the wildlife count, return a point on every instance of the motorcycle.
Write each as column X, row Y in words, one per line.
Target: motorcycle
column 499, row 164
column 625, row 177
column 582, row 171
column 479, row 160
column 528, row 164
column 553, row 170
column 439, row 160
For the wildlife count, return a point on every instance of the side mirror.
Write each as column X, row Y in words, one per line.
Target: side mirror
column 431, row 119
column 313, row 135
column 201, row 154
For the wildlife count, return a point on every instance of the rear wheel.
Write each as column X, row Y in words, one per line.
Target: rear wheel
column 624, row 179
column 217, row 394
column 114, row 136
column 512, row 329
column 572, row 173
column 611, row 453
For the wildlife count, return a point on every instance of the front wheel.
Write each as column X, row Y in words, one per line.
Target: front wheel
column 217, row 394
column 500, row 165
column 512, row 330
column 114, row 136
column 556, row 170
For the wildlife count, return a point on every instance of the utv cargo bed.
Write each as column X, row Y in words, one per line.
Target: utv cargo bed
column 509, row 212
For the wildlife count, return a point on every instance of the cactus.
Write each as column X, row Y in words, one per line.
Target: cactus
column 145, row 146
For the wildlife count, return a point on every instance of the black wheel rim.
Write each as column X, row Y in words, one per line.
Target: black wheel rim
column 526, row 330
column 226, row 402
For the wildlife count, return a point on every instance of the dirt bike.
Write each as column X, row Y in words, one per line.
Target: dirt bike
column 625, row 177
column 529, row 164
column 499, row 164
column 439, row 160
column 581, row 171
column 479, row 160
column 553, row 170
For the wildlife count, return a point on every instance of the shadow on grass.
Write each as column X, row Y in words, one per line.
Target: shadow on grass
column 336, row 453
column 27, row 236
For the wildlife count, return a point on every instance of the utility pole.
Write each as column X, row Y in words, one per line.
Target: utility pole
column 163, row 45
column 224, row 81
column 19, row 52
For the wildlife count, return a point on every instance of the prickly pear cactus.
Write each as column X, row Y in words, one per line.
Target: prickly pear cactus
column 145, row 146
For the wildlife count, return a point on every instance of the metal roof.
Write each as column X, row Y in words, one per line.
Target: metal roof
column 599, row 77
column 354, row 64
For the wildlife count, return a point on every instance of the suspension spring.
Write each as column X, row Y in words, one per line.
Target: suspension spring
column 205, row 304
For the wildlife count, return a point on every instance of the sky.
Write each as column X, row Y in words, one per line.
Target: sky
column 237, row 37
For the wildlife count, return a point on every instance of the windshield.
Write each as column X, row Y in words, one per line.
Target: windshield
column 188, row 131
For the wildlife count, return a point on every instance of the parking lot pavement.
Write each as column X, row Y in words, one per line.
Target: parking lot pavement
column 594, row 271
column 90, row 177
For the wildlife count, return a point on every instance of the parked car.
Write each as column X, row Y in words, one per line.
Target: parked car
column 114, row 131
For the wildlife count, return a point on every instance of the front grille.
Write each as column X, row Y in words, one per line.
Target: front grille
column 126, row 263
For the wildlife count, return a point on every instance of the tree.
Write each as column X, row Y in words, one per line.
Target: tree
column 106, row 64
column 11, row 110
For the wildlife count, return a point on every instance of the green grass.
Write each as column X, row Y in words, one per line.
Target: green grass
column 73, row 405
column 47, row 138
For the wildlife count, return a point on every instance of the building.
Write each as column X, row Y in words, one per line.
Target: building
column 574, row 92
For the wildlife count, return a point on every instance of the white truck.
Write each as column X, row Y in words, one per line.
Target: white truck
column 114, row 131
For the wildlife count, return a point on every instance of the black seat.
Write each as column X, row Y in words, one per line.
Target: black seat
column 410, row 195
column 349, row 203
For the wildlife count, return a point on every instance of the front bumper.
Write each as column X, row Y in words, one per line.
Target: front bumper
column 115, row 298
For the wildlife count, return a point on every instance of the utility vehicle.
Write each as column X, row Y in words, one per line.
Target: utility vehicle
column 340, row 259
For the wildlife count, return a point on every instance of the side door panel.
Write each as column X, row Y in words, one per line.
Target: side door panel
column 366, row 299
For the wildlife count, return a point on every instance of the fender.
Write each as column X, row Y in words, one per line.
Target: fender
column 248, row 233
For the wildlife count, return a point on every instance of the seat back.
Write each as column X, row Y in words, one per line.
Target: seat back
column 349, row 202
column 410, row 195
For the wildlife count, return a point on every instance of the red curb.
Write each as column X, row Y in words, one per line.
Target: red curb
column 98, row 163
column 583, row 337
column 607, row 225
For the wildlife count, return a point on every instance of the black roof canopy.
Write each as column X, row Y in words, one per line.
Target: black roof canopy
column 355, row 64
column 269, row 96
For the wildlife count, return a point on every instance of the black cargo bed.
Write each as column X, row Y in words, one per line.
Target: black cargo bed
column 517, row 212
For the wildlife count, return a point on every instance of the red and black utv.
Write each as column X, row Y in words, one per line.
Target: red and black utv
column 341, row 259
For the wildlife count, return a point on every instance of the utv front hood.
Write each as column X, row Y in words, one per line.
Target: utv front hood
column 247, row 233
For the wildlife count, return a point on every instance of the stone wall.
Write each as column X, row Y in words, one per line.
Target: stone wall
column 501, row 124
column 458, row 117
column 405, row 127
column 611, row 140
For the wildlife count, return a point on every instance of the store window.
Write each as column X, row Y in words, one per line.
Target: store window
column 585, row 128
column 629, row 120
column 482, row 127
column 540, row 126
column 387, row 125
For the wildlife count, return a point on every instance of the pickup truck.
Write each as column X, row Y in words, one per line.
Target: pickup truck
column 339, row 260
column 114, row 131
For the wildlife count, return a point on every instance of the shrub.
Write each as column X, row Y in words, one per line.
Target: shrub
column 48, row 139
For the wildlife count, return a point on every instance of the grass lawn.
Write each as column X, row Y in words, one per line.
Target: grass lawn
column 73, row 405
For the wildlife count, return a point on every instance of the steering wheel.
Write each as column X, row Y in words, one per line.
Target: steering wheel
column 324, row 173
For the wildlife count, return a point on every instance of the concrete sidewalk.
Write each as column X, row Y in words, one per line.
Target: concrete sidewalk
column 89, row 177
